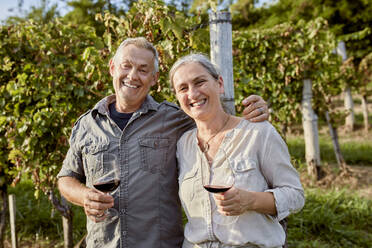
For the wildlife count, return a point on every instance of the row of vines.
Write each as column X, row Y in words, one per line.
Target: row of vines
column 52, row 73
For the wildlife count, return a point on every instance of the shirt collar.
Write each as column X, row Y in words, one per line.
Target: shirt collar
column 102, row 106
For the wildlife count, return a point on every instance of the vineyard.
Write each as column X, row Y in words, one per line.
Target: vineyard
column 53, row 72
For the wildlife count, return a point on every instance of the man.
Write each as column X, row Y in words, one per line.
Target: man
column 131, row 130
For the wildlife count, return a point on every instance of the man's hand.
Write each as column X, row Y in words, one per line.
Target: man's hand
column 95, row 204
column 93, row 201
column 256, row 109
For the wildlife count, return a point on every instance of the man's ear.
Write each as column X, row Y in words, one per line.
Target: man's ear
column 112, row 67
column 221, row 85
column 156, row 77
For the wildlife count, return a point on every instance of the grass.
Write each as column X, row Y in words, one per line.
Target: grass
column 37, row 220
column 331, row 219
column 355, row 152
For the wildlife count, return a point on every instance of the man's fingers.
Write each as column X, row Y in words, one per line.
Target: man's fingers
column 260, row 118
column 100, row 197
column 251, row 99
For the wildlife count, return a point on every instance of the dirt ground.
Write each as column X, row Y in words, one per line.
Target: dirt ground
column 357, row 179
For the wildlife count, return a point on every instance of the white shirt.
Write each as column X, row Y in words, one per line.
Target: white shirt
column 260, row 161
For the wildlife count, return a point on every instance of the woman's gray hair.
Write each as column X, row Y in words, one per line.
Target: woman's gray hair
column 140, row 42
column 200, row 58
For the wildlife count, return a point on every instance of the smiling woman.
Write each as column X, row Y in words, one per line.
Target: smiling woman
column 265, row 189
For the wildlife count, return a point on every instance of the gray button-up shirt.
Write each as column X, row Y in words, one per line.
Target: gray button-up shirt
column 147, row 199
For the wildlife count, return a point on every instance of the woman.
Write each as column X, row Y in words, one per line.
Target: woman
column 266, row 186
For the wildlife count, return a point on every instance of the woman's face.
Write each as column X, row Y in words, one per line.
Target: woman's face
column 197, row 91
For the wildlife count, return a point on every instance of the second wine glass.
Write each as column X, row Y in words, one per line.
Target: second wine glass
column 219, row 180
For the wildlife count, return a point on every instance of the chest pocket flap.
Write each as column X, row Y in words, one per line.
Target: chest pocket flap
column 91, row 147
column 244, row 165
column 154, row 142
column 153, row 153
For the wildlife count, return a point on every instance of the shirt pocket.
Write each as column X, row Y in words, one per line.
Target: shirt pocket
column 154, row 153
column 245, row 172
column 95, row 156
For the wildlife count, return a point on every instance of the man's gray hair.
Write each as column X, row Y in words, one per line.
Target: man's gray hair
column 140, row 42
column 200, row 58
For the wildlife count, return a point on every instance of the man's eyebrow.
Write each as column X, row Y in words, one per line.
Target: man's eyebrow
column 198, row 78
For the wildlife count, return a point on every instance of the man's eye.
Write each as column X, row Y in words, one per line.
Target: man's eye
column 200, row 82
column 125, row 66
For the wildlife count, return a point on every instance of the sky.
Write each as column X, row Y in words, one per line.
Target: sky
column 7, row 5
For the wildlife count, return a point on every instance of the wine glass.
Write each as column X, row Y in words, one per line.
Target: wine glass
column 108, row 182
column 220, row 178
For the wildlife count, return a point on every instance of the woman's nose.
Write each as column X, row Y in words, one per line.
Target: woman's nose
column 193, row 93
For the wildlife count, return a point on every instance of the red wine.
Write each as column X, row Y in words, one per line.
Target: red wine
column 107, row 186
column 217, row 188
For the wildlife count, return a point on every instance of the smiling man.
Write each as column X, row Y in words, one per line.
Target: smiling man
column 138, row 135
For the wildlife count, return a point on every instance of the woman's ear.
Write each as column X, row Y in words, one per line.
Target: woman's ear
column 221, row 85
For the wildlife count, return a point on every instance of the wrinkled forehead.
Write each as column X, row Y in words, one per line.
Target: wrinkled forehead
column 136, row 55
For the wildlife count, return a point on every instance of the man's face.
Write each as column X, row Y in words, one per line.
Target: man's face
column 133, row 75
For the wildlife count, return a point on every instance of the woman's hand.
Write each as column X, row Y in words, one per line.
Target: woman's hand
column 237, row 201
column 230, row 203
column 256, row 109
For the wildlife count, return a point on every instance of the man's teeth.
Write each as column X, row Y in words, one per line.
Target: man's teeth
column 196, row 104
column 130, row 86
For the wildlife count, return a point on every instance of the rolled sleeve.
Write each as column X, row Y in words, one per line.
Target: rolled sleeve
column 72, row 164
column 284, row 181
column 287, row 201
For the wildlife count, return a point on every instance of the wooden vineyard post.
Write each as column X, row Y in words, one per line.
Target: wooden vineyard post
column 349, row 105
column 310, row 126
column 12, row 215
column 221, row 54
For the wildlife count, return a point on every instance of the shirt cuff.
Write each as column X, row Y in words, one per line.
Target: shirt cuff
column 282, row 209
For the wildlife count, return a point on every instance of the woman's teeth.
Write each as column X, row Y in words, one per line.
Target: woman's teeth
column 196, row 104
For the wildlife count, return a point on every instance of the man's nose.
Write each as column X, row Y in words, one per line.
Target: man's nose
column 133, row 74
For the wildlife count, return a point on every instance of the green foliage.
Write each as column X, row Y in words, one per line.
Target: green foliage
column 274, row 62
column 171, row 31
column 43, row 90
column 331, row 219
column 344, row 17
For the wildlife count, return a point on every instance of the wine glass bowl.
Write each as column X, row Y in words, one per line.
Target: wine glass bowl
column 107, row 183
column 220, row 179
